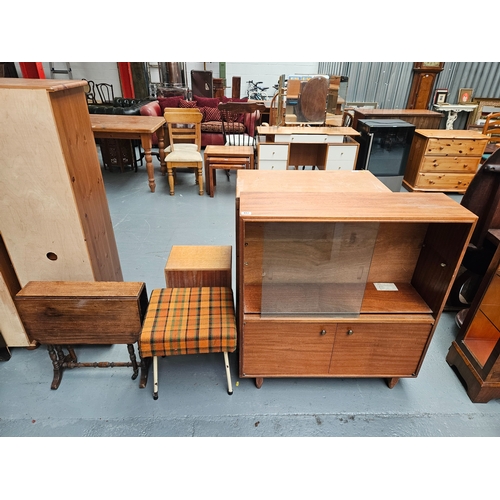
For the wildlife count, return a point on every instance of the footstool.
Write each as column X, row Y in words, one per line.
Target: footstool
column 198, row 265
column 188, row 321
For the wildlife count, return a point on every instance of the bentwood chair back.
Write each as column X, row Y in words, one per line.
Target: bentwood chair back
column 240, row 121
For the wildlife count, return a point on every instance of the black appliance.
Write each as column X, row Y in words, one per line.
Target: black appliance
column 384, row 146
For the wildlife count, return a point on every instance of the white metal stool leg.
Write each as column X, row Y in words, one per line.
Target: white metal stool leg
column 155, row 377
column 228, row 374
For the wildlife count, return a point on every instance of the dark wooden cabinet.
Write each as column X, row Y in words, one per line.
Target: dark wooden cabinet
column 421, row 118
column 475, row 354
column 341, row 280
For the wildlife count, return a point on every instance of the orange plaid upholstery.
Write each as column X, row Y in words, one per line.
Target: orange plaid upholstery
column 188, row 321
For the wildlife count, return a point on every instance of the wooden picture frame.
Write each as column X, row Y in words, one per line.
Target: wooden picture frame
column 440, row 96
column 482, row 102
column 465, row 96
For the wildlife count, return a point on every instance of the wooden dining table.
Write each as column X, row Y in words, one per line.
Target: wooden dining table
column 133, row 127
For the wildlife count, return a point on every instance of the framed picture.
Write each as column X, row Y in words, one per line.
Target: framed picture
column 485, row 106
column 440, row 96
column 464, row 96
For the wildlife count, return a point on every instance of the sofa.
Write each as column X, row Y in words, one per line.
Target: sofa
column 120, row 106
column 211, row 125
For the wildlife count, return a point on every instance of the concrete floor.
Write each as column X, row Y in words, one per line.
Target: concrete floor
column 192, row 394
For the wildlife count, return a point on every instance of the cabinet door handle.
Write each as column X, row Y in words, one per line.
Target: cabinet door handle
column 350, row 332
column 322, row 332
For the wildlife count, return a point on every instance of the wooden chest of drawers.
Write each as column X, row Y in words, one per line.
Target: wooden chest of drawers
column 443, row 160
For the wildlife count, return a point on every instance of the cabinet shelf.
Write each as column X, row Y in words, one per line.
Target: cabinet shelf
column 481, row 349
column 405, row 300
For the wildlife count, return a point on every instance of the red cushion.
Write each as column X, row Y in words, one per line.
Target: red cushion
column 169, row 102
column 187, row 104
column 206, row 102
column 211, row 114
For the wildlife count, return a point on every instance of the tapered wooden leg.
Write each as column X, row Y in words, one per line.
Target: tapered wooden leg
column 228, row 374
column 258, row 382
column 155, row 377
column 391, row 382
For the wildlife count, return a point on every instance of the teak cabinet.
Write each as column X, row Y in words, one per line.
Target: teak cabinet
column 475, row 354
column 443, row 160
column 55, row 220
column 346, row 282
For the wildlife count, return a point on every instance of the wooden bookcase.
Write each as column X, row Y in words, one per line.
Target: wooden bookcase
column 55, row 220
column 342, row 280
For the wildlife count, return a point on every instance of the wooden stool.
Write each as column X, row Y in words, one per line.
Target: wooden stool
column 61, row 314
column 194, row 266
column 189, row 321
column 225, row 158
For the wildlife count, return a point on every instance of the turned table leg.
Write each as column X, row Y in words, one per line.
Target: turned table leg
column 56, row 380
column 147, row 144
column 133, row 359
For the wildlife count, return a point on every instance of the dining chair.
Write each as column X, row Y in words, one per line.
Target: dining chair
column 491, row 128
column 240, row 121
column 105, row 91
column 184, row 150
column 90, row 92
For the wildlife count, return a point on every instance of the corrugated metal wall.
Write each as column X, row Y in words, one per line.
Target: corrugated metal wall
column 388, row 84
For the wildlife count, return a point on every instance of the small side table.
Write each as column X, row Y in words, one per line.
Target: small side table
column 191, row 266
column 225, row 158
column 453, row 110
column 61, row 314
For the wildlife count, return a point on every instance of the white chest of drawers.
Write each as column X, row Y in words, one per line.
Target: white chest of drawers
column 327, row 148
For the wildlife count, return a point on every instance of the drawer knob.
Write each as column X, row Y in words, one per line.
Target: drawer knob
column 350, row 332
column 322, row 332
